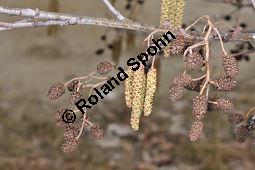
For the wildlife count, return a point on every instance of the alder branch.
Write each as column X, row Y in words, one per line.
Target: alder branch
column 60, row 19
column 113, row 10
column 65, row 19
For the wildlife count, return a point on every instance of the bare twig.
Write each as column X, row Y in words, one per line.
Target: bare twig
column 253, row 3
column 113, row 10
column 65, row 19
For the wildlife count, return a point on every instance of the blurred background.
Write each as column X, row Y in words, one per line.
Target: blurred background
column 31, row 60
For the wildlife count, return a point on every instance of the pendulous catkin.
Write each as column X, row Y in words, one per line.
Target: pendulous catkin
column 150, row 91
column 171, row 11
column 166, row 7
column 129, row 87
column 139, row 85
column 179, row 12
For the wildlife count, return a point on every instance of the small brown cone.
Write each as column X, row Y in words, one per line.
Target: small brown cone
column 150, row 91
column 196, row 131
column 129, row 87
column 104, row 67
column 224, row 83
column 235, row 118
column 230, row 66
column 56, row 91
column 139, row 85
column 199, row 107
column 178, row 45
column 194, row 61
column 195, row 85
column 224, row 104
column 241, row 133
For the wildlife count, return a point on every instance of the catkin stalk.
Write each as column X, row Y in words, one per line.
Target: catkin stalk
column 150, row 91
column 129, row 87
column 139, row 85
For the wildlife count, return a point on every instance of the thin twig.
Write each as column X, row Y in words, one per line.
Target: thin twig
column 113, row 10
column 65, row 19
column 253, row 3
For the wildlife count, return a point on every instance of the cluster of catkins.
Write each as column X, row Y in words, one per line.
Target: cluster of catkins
column 201, row 103
column 139, row 93
column 75, row 88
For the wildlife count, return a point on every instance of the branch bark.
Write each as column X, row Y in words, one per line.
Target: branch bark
column 37, row 18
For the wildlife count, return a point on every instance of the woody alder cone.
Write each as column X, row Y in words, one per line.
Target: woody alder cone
column 178, row 45
column 199, row 107
column 224, row 104
column 177, row 86
column 194, row 61
column 196, row 131
column 73, row 85
column 104, row 67
column 241, row 133
column 182, row 80
column 97, row 132
column 230, row 66
column 195, row 85
column 56, row 91
column 176, row 92
column 224, row 83
column 235, row 118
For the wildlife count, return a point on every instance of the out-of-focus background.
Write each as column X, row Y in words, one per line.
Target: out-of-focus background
column 31, row 61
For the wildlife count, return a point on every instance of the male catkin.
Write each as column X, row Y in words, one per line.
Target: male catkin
column 139, row 85
column 150, row 91
column 129, row 87
column 171, row 11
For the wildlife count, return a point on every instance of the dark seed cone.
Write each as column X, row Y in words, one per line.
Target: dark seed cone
column 71, row 143
column 59, row 119
column 194, row 61
column 178, row 46
column 56, row 91
column 177, row 86
column 196, row 131
column 235, row 118
column 104, row 67
column 75, row 97
column 97, row 132
column 224, row 83
column 70, row 146
column 182, row 80
column 73, row 85
column 195, row 85
column 224, row 104
column 199, row 107
column 176, row 92
column 230, row 66
column 241, row 133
